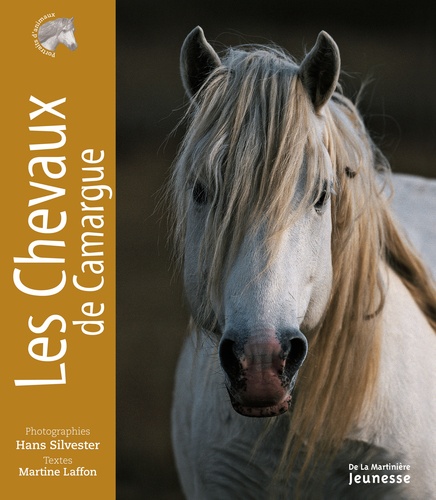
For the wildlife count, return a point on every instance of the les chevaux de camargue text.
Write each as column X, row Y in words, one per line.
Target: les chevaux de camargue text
column 46, row 168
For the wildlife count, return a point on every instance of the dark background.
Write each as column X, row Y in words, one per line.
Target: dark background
column 383, row 41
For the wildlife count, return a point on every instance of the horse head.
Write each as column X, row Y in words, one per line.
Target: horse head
column 60, row 30
column 258, row 224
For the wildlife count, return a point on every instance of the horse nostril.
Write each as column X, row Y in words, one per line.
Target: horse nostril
column 296, row 354
column 229, row 361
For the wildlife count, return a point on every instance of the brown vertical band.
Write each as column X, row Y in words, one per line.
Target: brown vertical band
column 58, row 250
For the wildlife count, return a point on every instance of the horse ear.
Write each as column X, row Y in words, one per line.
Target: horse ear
column 320, row 69
column 197, row 60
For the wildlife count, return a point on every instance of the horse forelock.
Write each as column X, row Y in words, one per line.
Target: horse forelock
column 68, row 23
column 252, row 137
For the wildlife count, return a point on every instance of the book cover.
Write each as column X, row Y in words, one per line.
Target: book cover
column 58, row 245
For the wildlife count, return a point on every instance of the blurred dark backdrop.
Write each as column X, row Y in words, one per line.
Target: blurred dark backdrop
column 379, row 40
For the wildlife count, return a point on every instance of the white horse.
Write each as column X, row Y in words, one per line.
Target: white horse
column 60, row 30
column 294, row 266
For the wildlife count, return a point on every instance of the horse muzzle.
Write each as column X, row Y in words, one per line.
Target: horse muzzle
column 261, row 369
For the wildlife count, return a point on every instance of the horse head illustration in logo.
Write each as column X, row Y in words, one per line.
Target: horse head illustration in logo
column 60, row 30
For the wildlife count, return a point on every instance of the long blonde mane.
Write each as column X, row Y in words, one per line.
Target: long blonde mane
column 252, row 137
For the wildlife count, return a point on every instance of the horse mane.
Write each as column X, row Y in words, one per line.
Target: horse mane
column 252, row 137
column 52, row 28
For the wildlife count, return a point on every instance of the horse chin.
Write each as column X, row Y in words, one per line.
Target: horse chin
column 260, row 409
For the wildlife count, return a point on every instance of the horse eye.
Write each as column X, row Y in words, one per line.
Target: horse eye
column 199, row 194
column 323, row 198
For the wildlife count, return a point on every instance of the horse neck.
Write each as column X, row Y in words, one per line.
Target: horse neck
column 406, row 331
column 51, row 43
column 404, row 405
